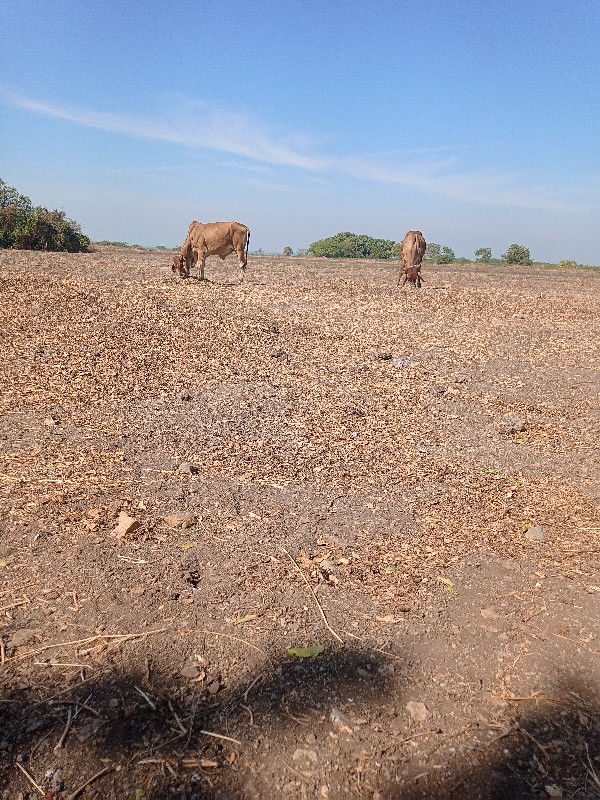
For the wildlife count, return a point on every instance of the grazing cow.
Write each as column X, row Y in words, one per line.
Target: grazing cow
column 412, row 252
column 212, row 239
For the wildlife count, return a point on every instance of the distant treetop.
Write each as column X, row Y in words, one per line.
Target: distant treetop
column 517, row 254
column 352, row 245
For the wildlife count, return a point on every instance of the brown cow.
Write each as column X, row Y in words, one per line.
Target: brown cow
column 412, row 252
column 212, row 239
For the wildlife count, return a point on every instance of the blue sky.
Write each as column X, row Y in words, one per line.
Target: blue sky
column 475, row 122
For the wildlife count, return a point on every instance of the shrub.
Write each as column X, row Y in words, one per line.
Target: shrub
column 26, row 227
column 566, row 264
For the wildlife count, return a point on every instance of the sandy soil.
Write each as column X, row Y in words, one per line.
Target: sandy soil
column 199, row 481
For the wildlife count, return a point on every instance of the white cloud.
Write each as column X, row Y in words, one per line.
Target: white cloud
column 238, row 134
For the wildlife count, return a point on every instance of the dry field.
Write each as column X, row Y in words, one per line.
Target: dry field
column 196, row 479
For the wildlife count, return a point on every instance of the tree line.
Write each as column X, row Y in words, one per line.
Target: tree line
column 24, row 226
column 352, row 245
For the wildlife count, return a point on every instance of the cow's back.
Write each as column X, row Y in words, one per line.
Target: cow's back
column 217, row 238
column 413, row 248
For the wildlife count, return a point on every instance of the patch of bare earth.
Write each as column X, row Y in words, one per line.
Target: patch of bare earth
column 197, row 477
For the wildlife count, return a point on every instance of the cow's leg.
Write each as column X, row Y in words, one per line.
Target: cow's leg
column 242, row 261
column 202, row 263
column 190, row 261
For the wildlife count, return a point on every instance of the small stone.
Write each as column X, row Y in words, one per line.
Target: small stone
column 50, row 422
column 281, row 356
column 489, row 613
column 535, row 533
column 552, row 790
column 417, row 711
column 190, row 671
column 306, row 756
column 186, row 468
column 181, row 519
column 185, row 396
column 356, row 412
column 509, row 423
column 125, row 525
column 385, row 356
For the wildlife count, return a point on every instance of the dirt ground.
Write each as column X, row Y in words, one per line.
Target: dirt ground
column 311, row 536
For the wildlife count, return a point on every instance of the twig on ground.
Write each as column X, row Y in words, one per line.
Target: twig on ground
column 80, row 706
column 243, row 641
column 542, row 747
column 289, row 714
column 295, row 771
column 14, row 605
column 221, row 736
column 370, row 647
column 30, row 779
column 592, row 772
column 254, row 682
column 60, row 694
column 249, row 710
column 537, row 696
column 62, row 739
column 321, row 612
column 161, row 762
column 180, row 724
column 95, row 777
column 146, row 698
column 123, row 637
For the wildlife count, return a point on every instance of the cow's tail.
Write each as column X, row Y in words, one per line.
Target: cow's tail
column 247, row 244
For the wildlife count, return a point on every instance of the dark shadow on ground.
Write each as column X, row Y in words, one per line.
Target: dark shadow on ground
column 291, row 733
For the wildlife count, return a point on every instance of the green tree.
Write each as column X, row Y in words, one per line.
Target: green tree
column 433, row 251
column 287, row 251
column 517, row 254
column 352, row 245
column 483, row 254
column 446, row 256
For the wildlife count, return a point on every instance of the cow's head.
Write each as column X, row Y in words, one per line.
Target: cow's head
column 412, row 275
column 179, row 266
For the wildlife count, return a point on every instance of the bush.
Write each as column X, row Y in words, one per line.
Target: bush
column 352, row 245
column 483, row 254
column 446, row 256
column 517, row 254
column 26, row 227
column 438, row 254
column 566, row 264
